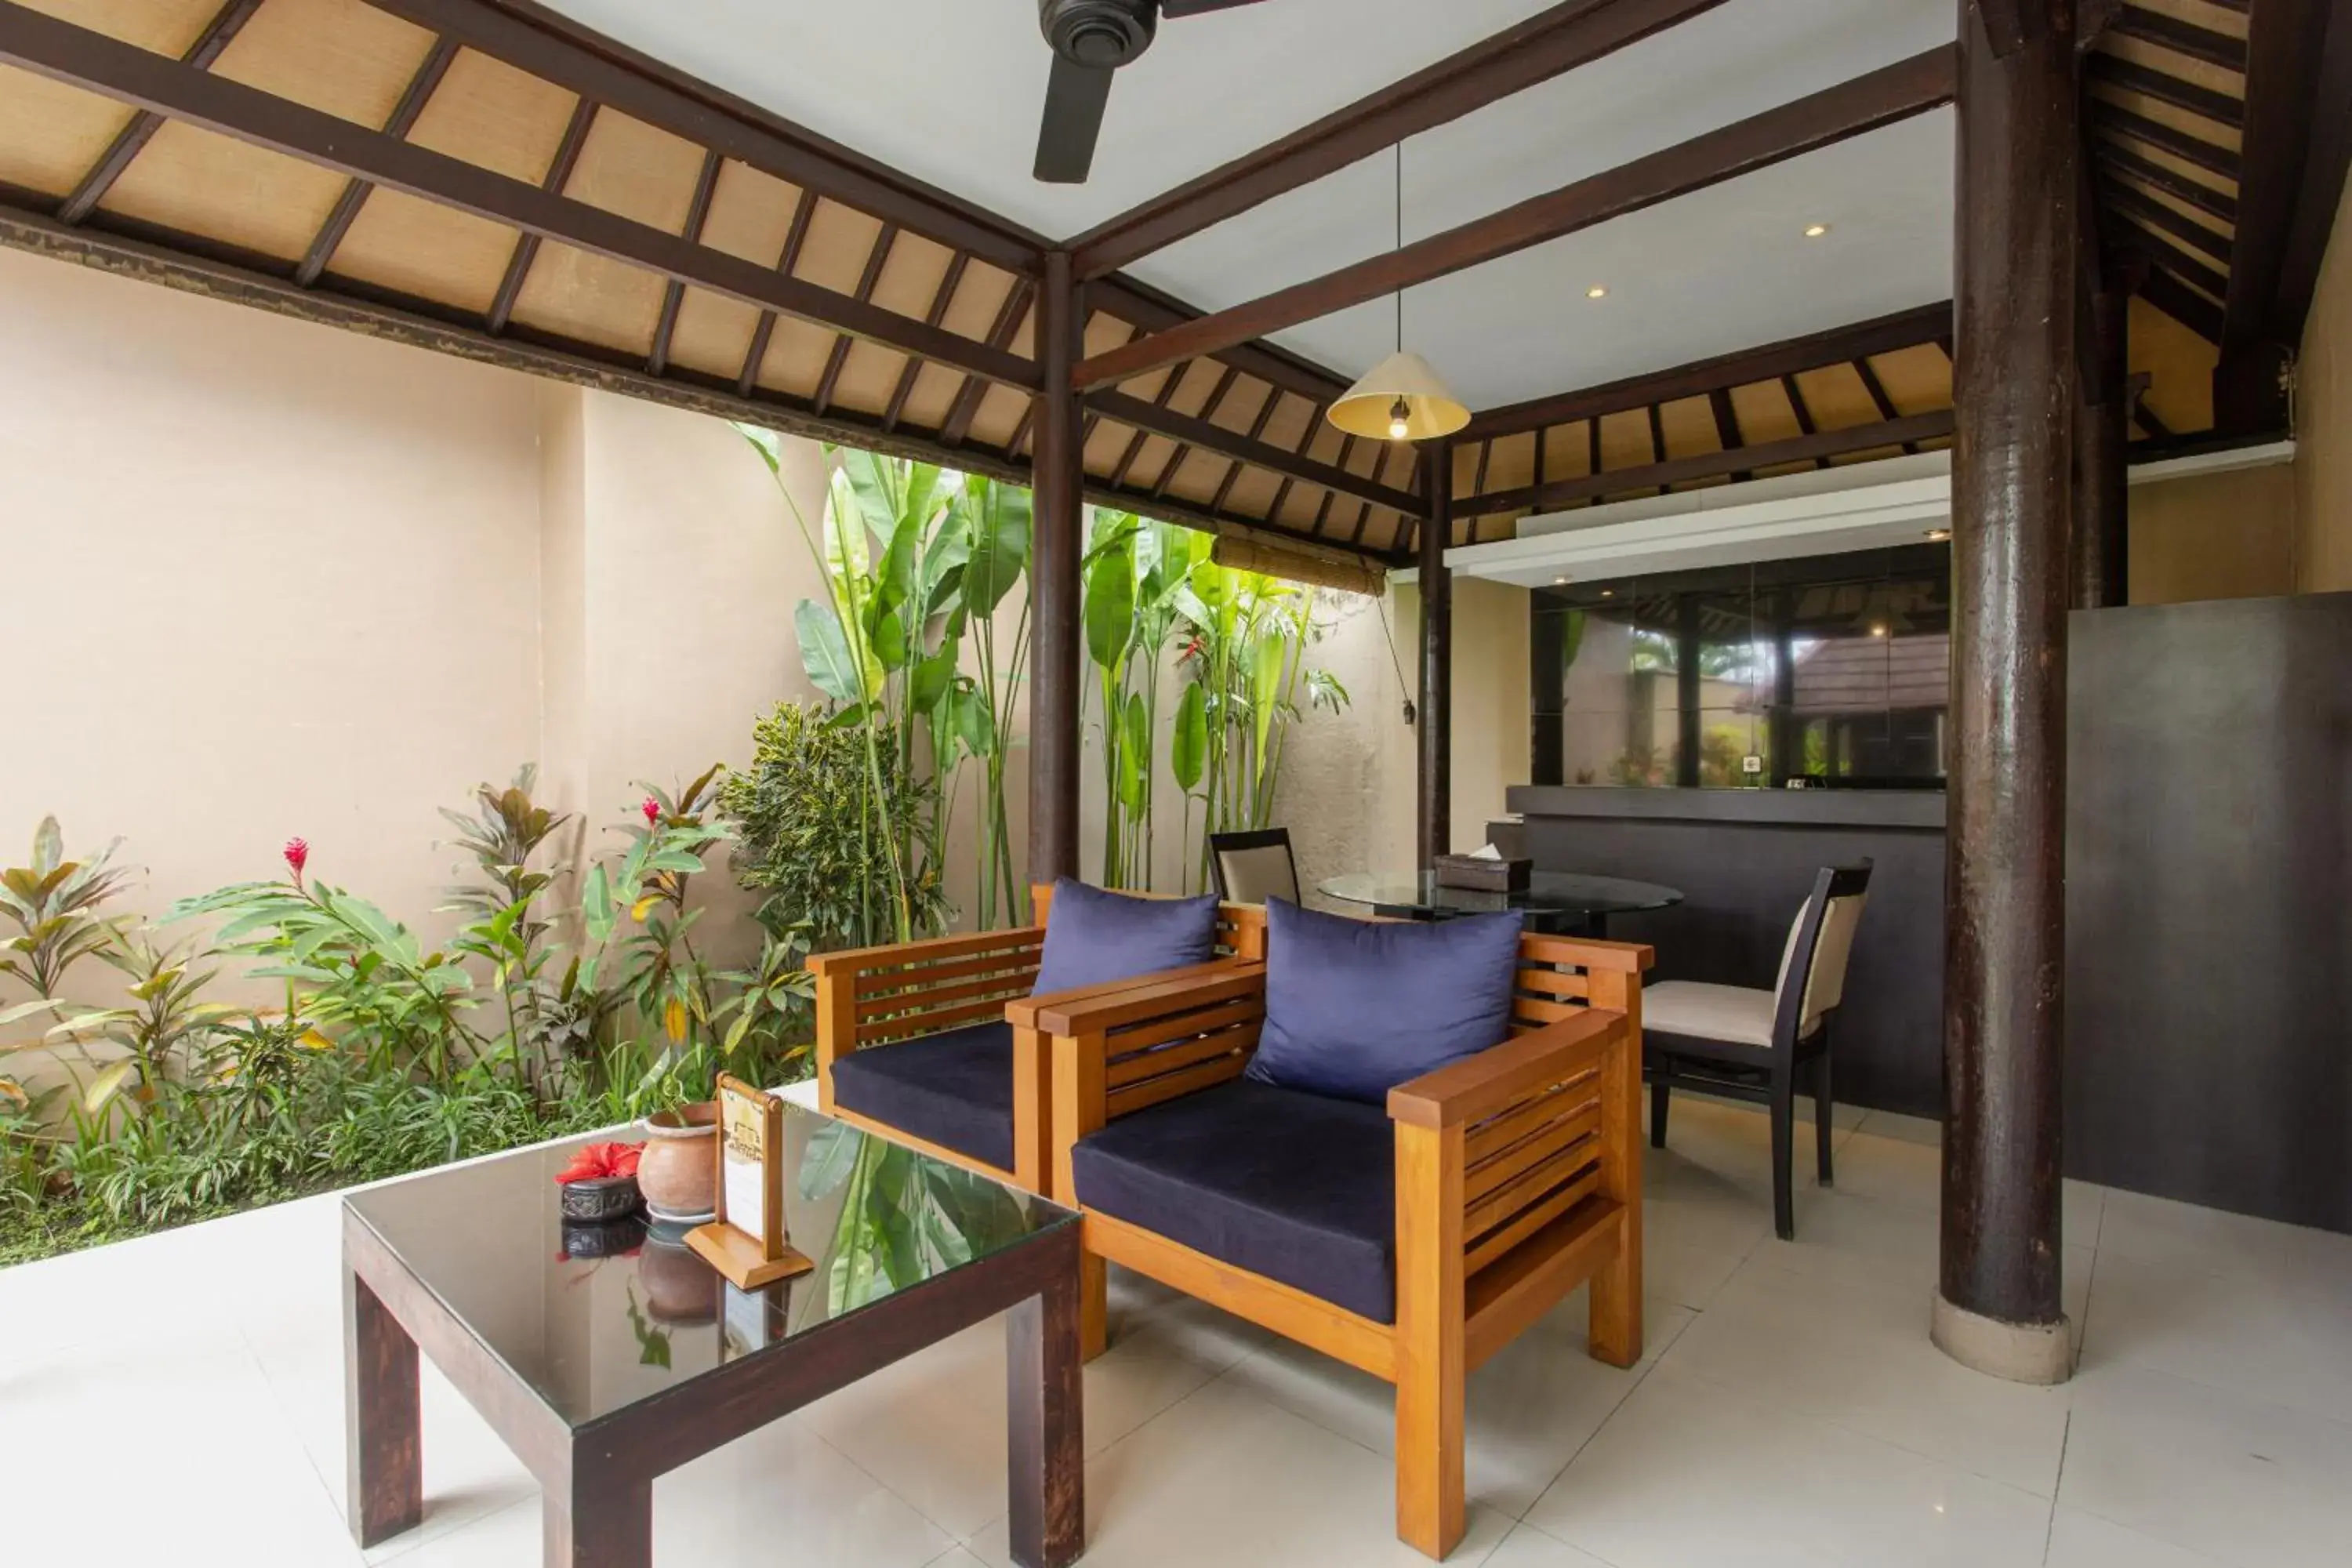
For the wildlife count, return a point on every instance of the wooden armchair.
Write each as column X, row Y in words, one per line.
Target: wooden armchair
column 962, row 1083
column 1411, row 1241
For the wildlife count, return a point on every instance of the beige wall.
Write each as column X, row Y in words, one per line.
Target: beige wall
column 2323, row 467
column 2214, row 536
column 263, row 579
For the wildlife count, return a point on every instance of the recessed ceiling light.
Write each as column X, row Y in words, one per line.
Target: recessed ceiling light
column 1597, row 292
column 1815, row 230
column 1878, row 628
column 1937, row 535
column 1608, row 593
column 1559, row 582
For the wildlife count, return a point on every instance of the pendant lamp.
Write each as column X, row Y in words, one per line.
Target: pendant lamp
column 1402, row 398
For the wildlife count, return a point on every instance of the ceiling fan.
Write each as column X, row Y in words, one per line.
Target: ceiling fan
column 1092, row 38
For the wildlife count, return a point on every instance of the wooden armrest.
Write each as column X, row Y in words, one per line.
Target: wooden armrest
column 857, row 960
column 1137, row 1001
column 1589, row 953
column 1476, row 1087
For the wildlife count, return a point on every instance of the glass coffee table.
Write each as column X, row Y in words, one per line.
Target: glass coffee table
column 605, row 1356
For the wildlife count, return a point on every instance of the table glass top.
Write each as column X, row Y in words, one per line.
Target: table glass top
column 595, row 1319
column 1548, row 892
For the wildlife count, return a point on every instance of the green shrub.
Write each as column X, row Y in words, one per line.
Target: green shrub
column 805, row 838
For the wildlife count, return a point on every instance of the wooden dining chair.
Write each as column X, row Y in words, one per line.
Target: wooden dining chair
column 1253, row 866
column 1751, row 1043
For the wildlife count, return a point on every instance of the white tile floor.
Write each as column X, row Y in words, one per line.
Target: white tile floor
column 1790, row 1411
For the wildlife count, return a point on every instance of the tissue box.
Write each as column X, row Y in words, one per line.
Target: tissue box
column 1482, row 873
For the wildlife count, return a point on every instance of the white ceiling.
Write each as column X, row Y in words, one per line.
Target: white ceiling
column 948, row 90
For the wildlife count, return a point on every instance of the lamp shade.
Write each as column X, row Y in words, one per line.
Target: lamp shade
column 1431, row 408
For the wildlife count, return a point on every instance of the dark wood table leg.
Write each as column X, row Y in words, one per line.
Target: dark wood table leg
column 383, row 1430
column 599, row 1520
column 1045, row 1404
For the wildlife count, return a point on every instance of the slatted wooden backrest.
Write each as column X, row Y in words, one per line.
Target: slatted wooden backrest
column 949, row 984
column 1560, row 975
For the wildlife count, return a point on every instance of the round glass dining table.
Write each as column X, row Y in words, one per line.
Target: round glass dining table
column 1562, row 902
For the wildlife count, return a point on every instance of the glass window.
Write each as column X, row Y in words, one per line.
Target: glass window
column 1832, row 672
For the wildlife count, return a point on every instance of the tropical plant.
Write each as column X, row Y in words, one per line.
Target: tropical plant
column 1247, row 657
column 655, row 966
column 365, row 976
column 916, row 562
column 1134, row 574
column 53, row 903
column 164, row 1025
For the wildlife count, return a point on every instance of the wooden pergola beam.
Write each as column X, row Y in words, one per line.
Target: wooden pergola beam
column 95, row 62
column 1810, row 448
column 2298, row 136
column 556, row 49
column 1543, row 47
column 1839, row 345
column 1867, row 102
column 1193, row 431
column 346, row 212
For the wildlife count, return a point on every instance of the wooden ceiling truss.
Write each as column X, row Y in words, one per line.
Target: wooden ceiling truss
column 488, row 179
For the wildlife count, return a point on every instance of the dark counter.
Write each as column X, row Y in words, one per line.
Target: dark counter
column 1744, row 861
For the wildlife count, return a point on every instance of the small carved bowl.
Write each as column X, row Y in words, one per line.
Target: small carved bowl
column 611, row 1238
column 597, row 1198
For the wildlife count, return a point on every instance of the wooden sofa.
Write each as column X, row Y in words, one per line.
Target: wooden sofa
column 1517, row 1176
column 939, row 1005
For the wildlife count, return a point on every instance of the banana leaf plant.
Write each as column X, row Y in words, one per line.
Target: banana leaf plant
column 1133, row 571
column 1247, row 657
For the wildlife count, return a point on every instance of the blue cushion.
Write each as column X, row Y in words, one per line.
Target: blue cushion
column 1292, row 1186
column 1354, row 1008
column 954, row 1089
column 1093, row 936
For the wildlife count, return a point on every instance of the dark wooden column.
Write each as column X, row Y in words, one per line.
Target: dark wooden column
column 2101, row 573
column 1434, row 817
column 2012, row 466
column 1055, row 690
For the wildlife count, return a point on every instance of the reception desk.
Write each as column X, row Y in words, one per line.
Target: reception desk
column 1744, row 861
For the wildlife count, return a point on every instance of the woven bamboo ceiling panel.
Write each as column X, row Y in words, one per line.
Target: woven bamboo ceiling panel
column 585, row 214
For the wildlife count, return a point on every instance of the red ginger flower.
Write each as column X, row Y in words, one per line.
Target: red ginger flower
column 651, row 808
column 298, row 855
column 593, row 1162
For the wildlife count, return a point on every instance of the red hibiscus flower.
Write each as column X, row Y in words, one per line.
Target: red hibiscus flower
column 593, row 1162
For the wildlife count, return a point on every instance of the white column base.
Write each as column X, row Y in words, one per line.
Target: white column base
column 2020, row 1352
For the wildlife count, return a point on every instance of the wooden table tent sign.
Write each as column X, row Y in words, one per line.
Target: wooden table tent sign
column 746, row 1241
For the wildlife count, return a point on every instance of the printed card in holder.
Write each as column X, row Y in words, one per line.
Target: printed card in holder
column 745, row 1242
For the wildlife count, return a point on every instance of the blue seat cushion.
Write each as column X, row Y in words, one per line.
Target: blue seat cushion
column 1093, row 936
column 1293, row 1186
column 1354, row 1008
column 954, row 1089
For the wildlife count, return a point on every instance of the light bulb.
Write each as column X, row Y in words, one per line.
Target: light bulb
column 1399, row 420
column 1597, row 292
column 1815, row 230
column 1939, row 535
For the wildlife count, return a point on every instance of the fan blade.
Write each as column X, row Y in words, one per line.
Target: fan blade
column 1172, row 8
column 1075, row 100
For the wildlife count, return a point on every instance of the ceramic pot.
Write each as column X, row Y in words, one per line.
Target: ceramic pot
column 678, row 1172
